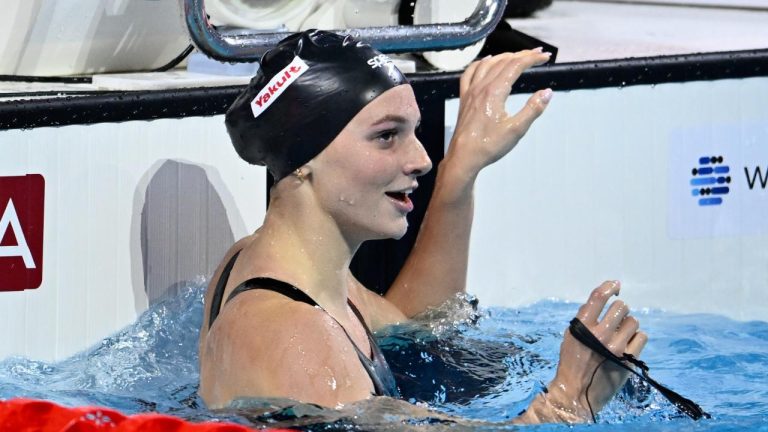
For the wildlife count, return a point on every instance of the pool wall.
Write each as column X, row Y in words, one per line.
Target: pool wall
column 131, row 210
column 600, row 188
column 143, row 192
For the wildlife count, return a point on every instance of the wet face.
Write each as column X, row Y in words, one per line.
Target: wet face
column 364, row 177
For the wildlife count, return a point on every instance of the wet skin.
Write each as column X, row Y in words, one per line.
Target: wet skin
column 265, row 345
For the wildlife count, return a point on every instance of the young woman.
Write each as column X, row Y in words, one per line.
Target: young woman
column 334, row 121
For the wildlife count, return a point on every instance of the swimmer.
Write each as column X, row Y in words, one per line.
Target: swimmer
column 334, row 122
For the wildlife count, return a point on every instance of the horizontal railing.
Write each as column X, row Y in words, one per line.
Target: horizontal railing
column 248, row 47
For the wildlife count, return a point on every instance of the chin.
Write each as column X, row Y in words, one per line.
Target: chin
column 399, row 235
column 400, row 232
column 393, row 233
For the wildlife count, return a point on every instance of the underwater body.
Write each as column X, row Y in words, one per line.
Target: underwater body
column 460, row 368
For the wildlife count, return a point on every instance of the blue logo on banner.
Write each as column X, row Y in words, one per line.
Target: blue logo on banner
column 709, row 180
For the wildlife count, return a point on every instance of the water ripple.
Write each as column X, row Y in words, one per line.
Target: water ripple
column 462, row 368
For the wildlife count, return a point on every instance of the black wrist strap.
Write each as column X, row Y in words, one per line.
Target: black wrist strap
column 583, row 335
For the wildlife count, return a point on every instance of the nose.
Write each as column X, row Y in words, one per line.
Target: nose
column 418, row 162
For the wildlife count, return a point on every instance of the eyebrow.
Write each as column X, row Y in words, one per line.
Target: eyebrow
column 394, row 118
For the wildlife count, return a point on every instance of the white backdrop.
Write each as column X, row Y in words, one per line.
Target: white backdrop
column 598, row 188
column 130, row 210
column 595, row 191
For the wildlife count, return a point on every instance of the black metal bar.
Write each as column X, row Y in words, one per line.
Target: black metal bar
column 150, row 105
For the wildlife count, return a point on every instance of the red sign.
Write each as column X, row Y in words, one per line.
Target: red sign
column 22, row 201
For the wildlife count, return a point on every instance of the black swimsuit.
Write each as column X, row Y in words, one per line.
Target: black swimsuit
column 377, row 368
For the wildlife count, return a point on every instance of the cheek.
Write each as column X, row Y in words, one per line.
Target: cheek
column 367, row 169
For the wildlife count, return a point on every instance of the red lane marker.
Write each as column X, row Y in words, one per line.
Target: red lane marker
column 30, row 415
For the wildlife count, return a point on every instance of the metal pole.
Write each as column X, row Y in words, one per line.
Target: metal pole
column 393, row 39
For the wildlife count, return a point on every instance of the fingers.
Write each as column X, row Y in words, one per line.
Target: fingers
column 626, row 331
column 537, row 103
column 637, row 343
column 615, row 315
column 467, row 77
column 503, row 69
column 476, row 71
column 489, row 64
column 590, row 311
column 510, row 70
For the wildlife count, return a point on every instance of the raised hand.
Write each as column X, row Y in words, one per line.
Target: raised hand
column 485, row 132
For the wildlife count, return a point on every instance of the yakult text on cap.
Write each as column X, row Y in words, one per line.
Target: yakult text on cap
column 277, row 85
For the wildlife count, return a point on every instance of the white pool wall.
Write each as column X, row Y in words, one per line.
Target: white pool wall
column 97, row 178
column 586, row 196
column 596, row 189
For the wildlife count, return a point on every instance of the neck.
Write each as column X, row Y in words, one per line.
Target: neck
column 309, row 248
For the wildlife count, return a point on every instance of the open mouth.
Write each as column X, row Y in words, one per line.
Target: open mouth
column 399, row 196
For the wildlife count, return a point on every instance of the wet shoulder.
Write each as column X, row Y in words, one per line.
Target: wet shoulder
column 268, row 345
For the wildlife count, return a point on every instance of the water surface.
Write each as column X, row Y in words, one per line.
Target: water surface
column 459, row 369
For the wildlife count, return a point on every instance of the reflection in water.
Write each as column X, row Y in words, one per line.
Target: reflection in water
column 460, row 369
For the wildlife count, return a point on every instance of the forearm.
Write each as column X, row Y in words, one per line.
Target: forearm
column 436, row 268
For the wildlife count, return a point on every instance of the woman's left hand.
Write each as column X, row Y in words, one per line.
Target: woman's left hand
column 485, row 132
column 582, row 370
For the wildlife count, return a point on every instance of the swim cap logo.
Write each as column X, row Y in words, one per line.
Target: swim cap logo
column 277, row 85
column 379, row 61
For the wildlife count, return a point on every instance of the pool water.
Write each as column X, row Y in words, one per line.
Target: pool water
column 461, row 369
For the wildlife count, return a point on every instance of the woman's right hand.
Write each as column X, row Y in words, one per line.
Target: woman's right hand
column 618, row 331
column 485, row 131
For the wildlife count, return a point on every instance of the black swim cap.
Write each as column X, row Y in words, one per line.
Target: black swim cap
column 306, row 91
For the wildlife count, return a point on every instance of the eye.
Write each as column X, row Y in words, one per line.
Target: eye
column 387, row 136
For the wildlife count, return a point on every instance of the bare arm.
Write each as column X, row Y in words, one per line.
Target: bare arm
column 436, row 269
column 268, row 346
column 437, row 266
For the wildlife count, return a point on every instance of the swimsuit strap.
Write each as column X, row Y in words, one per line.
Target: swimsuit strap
column 376, row 366
column 218, row 293
column 275, row 285
column 381, row 374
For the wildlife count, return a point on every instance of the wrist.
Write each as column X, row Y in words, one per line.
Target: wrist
column 455, row 179
column 546, row 409
column 463, row 156
column 560, row 398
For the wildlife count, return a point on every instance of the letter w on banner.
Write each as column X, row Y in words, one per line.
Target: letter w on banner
column 22, row 202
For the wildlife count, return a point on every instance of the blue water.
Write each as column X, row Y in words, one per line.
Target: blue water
column 460, row 369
